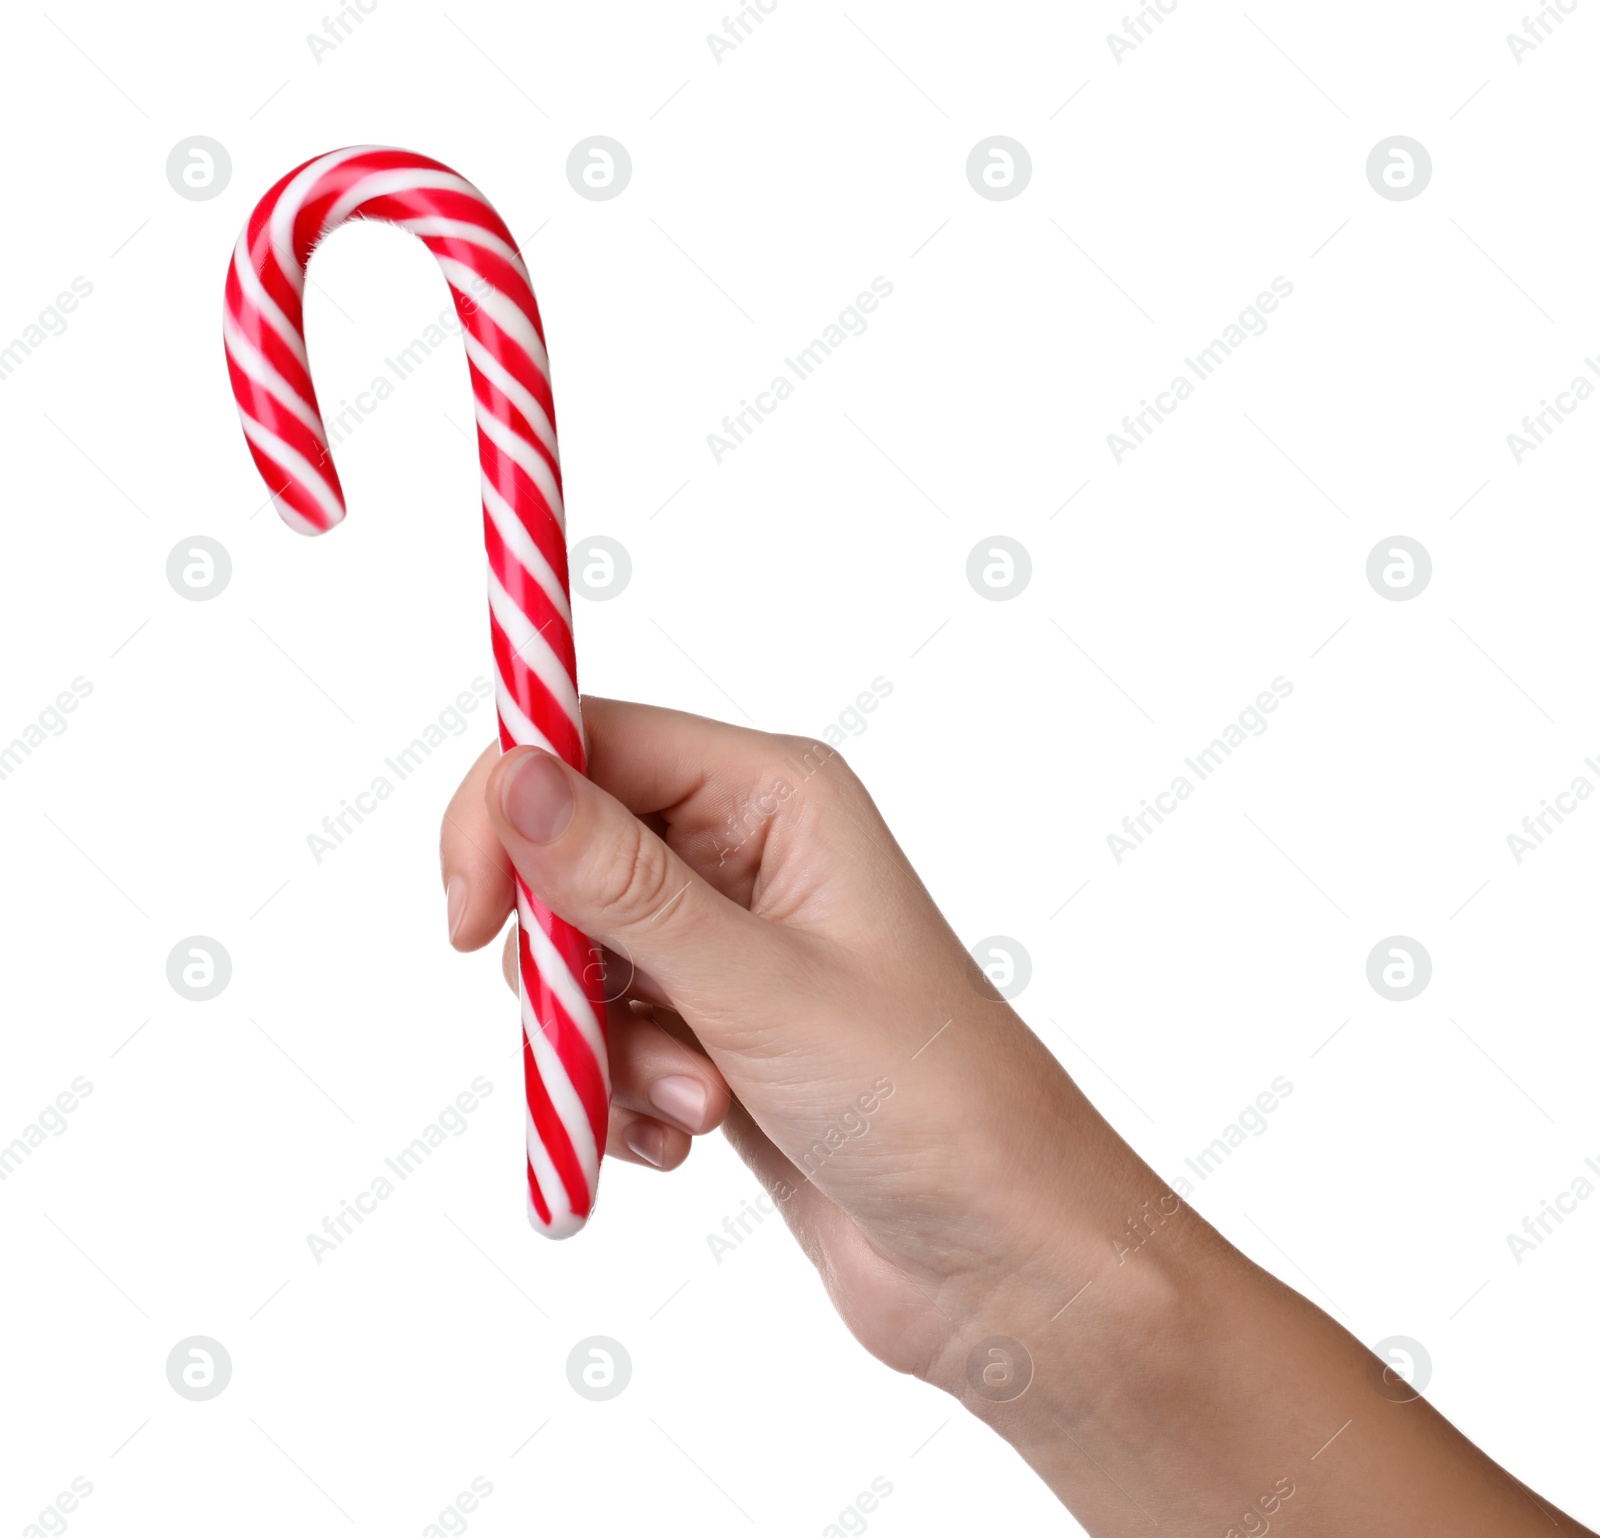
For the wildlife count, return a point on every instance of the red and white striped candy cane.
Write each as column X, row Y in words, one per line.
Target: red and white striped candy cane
column 530, row 616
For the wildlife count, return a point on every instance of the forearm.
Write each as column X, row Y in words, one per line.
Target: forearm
column 1171, row 1381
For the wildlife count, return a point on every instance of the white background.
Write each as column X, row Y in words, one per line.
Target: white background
column 1167, row 591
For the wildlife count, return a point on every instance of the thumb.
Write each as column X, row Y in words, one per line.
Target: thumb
column 590, row 860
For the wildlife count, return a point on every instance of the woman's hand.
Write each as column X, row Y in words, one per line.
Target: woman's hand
column 792, row 981
column 974, row 1219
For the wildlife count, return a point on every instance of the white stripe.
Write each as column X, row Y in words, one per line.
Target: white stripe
column 564, row 1228
column 459, row 229
column 550, row 1187
column 558, row 976
column 523, row 732
column 255, row 364
column 280, row 223
column 521, row 453
column 518, row 393
column 521, row 545
column 531, row 648
column 559, row 1087
column 308, row 474
column 401, row 180
column 280, row 240
column 568, row 1108
column 501, row 308
column 257, row 298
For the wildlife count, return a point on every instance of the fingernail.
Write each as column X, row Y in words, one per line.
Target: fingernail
column 648, row 1141
column 680, row 1099
column 537, row 798
column 455, row 893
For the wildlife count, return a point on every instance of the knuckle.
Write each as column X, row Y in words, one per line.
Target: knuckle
column 634, row 878
column 821, row 768
column 810, row 754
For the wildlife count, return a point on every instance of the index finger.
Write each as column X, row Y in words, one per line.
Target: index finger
column 707, row 787
column 657, row 760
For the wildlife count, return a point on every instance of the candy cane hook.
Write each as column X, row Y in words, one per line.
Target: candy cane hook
column 530, row 617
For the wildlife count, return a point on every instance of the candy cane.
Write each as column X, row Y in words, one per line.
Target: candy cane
column 530, row 617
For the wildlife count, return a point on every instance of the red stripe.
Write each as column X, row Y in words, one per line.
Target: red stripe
column 527, row 502
column 583, row 1069
column 270, row 413
column 571, row 1046
column 306, row 223
column 529, row 595
column 498, row 405
column 577, row 951
column 511, row 355
column 280, row 287
column 497, row 270
column 540, row 1205
column 533, row 698
column 288, row 488
column 523, row 683
column 255, row 327
column 553, row 1136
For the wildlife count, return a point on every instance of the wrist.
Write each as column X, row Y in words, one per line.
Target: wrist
column 1101, row 1284
column 1046, row 1335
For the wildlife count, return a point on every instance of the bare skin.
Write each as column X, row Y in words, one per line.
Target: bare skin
column 973, row 1218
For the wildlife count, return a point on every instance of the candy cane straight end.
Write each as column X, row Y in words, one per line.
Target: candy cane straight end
column 530, row 614
column 561, row 1228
